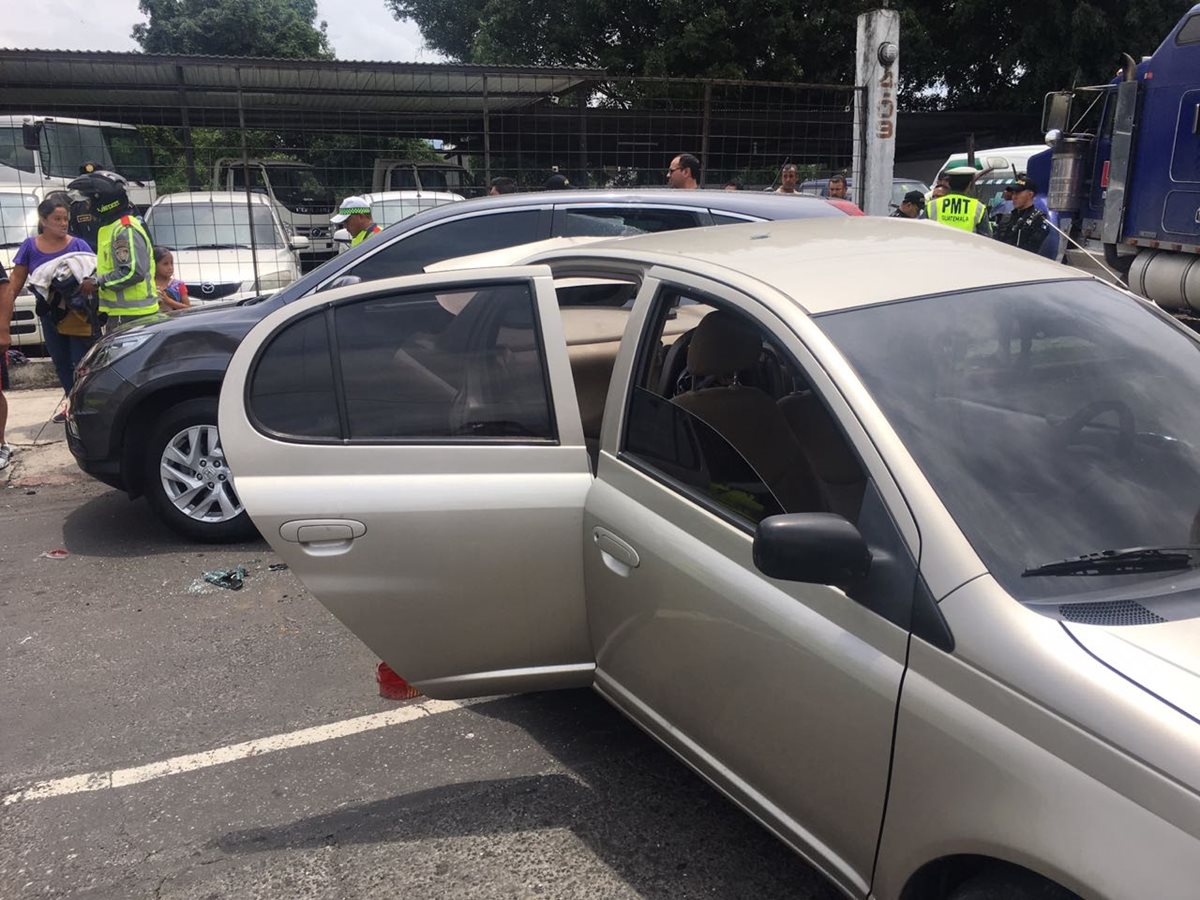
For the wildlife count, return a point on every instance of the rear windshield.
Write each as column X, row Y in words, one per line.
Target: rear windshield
column 1053, row 420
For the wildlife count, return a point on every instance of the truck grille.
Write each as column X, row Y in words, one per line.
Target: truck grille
column 209, row 290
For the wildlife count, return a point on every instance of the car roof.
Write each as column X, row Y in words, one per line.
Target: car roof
column 210, row 197
column 835, row 264
column 850, row 180
column 753, row 203
column 385, row 196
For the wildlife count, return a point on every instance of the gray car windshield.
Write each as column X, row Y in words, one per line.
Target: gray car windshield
column 1053, row 420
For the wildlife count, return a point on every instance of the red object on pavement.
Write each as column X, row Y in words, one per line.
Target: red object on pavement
column 392, row 686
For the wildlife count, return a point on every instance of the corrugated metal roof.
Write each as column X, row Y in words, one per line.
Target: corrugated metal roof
column 154, row 88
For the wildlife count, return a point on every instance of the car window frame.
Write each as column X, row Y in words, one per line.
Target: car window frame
column 648, row 335
column 427, row 284
column 559, row 222
column 822, row 366
column 404, row 229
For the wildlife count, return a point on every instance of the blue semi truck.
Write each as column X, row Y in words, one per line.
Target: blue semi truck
column 1123, row 169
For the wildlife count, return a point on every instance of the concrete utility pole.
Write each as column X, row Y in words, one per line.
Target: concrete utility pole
column 878, row 72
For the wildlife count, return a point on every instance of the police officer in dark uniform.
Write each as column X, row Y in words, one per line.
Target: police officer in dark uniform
column 1027, row 226
column 84, row 222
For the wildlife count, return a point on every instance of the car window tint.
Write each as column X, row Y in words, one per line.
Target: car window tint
column 721, row 219
column 448, row 365
column 292, row 388
column 694, row 456
column 625, row 220
column 723, row 369
column 412, row 252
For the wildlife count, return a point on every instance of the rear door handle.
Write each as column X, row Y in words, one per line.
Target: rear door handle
column 617, row 555
column 322, row 536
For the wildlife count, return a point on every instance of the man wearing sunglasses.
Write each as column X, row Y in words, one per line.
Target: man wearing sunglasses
column 684, row 172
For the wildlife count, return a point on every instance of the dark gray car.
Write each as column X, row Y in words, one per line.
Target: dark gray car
column 143, row 412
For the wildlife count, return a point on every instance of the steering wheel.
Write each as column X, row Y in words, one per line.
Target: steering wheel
column 1069, row 430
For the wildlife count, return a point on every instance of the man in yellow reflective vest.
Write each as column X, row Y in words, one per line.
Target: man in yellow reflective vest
column 355, row 215
column 957, row 209
column 124, row 279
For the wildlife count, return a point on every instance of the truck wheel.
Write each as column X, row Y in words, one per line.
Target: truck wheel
column 187, row 480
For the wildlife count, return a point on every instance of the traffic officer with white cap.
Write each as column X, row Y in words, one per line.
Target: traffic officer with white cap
column 355, row 214
column 957, row 209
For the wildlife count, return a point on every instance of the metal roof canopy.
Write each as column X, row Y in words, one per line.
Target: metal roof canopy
column 155, row 90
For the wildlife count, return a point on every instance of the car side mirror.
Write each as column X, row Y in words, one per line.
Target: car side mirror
column 31, row 137
column 814, row 548
column 341, row 236
column 299, row 242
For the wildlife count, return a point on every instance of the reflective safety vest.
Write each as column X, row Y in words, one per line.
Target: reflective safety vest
column 364, row 234
column 957, row 211
column 125, row 269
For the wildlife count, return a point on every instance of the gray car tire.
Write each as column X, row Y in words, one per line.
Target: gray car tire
column 186, row 479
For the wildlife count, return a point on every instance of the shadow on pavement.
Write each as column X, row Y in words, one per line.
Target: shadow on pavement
column 112, row 525
column 662, row 829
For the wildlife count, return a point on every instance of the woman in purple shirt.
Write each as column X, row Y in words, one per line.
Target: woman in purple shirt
column 52, row 241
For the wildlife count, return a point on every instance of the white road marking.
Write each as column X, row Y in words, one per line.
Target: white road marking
column 99, row 781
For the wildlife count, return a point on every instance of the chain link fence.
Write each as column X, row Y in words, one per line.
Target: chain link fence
column 283, row 142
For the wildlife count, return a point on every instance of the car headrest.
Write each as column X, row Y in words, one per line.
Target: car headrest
column 723, row 343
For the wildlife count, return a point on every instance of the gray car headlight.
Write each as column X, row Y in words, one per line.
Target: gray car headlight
column 107, row 351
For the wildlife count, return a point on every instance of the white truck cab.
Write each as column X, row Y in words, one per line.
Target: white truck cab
column 43, row 154
column 297, row 192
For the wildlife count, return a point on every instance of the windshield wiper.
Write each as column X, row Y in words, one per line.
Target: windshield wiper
column 1125, row 561
column 215, row 247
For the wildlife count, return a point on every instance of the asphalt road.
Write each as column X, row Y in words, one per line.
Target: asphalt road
column 120, row 656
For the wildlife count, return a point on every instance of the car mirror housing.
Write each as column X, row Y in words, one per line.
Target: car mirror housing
column 815, row 548
column 299, row 242
column 341, row 236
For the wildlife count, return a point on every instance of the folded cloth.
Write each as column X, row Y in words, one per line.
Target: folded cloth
column 79, row 264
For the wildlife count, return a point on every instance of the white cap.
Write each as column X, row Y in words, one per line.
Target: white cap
column 349, row 207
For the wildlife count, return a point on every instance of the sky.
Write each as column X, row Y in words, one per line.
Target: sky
column 361, row 29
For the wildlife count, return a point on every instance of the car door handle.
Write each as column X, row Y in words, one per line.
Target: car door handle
column 617, row 555
column 322, row 536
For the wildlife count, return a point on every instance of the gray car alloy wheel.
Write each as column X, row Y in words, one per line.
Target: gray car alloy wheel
column 196, row 478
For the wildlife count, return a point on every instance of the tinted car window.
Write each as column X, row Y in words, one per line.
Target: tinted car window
column 722, row 219
column 411, row 253
column 431, row 366
column 292, row 389
column 694, row 456
column 624, row 220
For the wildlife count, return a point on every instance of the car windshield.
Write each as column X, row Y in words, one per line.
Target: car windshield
column 298, row 184
column 1053, row 420
column 211, row 226
column 18, row 218
column 389, row 212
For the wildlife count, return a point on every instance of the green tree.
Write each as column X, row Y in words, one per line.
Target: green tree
column 279, row 28
column 965, row 54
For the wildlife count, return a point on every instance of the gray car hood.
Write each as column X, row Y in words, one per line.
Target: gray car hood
column 1163, row 659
